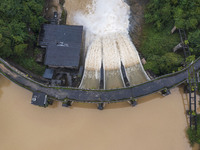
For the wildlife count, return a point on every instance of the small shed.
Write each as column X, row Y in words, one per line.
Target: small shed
column 39, row 99
column 48, row 74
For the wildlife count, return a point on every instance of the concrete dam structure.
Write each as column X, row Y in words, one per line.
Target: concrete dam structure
column 97, row 96
column 110, row 53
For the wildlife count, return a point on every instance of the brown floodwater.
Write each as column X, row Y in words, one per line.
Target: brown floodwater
column 156, row 123
column 74, row 6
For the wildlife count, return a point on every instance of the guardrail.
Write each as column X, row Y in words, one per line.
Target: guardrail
column 96, row 96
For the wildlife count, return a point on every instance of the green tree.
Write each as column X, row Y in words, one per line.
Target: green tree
column 20, row 23
column 5, row 48
column 157, row 42
column 20, row 49
column 184, row 14
column 17, row 18
column 194, row 42
column 165, row 64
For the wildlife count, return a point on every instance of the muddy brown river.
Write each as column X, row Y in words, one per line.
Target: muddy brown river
column 156, row 123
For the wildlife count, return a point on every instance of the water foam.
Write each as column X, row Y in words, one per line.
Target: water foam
column 104, row 17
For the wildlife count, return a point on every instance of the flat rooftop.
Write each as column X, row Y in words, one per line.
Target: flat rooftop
column 39, row 99
column 63, row 45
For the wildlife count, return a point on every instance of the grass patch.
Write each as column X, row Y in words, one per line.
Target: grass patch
column 30, row 64
column 157, row 48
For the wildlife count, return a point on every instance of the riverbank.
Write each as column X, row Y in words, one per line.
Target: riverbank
column 156, row 123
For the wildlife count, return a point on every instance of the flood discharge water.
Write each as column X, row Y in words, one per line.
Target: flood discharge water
column 156, row 123
column 92, row 76
column 107, row 42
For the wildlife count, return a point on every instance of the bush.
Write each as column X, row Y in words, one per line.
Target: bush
column 191, row 135
column 194, row 42
column 194, row 135
column 157, row 49
column 184, row 14
column 157, row 43
column 30, row 64
column 19, row 50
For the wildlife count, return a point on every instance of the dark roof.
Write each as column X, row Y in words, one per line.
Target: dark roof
column 62, row 56
column 48, row 74
column 51, row 33
column 63, row 44
column 39, row 99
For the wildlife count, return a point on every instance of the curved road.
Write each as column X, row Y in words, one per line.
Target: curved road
column 96, row 96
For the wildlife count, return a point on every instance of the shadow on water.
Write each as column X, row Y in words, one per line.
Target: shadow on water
column 118, row 105
column 74, row 105
column 150, row 98
column 3, row 83
column 83, row 105
column 185, row 100
column 107, row 106
column 55, row 104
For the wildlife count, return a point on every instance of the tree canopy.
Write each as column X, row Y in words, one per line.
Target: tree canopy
column 183, row 14
column 20, row 22
column 157, row 42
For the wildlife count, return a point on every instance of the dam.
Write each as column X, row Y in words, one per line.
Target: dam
column 89, row 91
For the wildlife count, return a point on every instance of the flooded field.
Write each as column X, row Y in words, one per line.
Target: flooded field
column 156, row 123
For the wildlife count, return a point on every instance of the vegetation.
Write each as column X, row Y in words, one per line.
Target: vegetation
column 194, row 39
column 194, row 135
column 20, row 24
column 157, row 49
column 184, row 14
column 63, row 17
column 157, row 41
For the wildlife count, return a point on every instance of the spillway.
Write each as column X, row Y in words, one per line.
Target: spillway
column 107, row 42
column 91, row 77
column 111, row 63
column 131, row 60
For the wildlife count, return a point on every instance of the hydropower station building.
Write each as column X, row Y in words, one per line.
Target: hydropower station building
column 63, row 45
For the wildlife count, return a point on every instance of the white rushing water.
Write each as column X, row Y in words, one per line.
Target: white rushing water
column 107, row 42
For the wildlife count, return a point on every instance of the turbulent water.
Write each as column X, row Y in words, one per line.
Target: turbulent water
column 107, row 42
